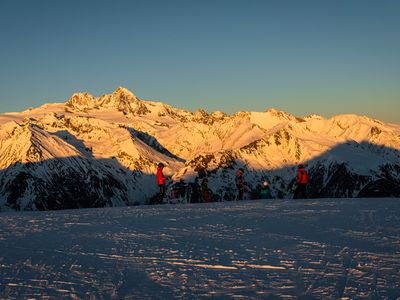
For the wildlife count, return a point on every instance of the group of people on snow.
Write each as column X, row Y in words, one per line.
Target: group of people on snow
column 264, row 193
column 205, row 194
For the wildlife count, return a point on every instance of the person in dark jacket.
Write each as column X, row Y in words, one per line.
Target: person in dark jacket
column 205, row 191
column 161, row 180
column 240, row 183
column 195, row 191
column 302, row 181
column 265, row 192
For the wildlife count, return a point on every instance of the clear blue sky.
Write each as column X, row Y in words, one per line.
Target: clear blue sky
column 325, row 57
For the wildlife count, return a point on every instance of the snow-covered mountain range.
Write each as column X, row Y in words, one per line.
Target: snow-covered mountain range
column 103, row 151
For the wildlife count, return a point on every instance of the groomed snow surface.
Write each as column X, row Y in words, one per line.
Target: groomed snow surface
column 269, row 249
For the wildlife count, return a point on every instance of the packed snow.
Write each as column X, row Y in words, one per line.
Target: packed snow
column 282, row 249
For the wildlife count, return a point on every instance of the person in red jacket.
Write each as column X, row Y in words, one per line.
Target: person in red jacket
column 302, row 181
column 161, row 181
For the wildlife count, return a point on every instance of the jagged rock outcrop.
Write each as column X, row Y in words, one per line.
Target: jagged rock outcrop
column 124, row 101
column 121, row 99
column 81, row 102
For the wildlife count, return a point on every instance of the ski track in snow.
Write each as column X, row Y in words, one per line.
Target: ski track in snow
column 324, row 249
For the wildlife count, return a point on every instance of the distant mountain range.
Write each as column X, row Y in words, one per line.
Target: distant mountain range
column 103, row 151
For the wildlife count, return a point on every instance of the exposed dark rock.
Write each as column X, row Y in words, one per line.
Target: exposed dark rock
column 380, row 188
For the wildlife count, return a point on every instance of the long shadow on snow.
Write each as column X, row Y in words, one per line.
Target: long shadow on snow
column 82, row 182
column 152, row 142
column 72, row 182
column 331, row 175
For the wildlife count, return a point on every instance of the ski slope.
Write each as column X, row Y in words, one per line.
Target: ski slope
column 322, row 249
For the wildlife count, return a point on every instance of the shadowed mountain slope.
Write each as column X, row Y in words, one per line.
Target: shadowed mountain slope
column 105, row 150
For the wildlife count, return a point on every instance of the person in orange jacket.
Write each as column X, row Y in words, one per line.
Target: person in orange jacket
column 161, row 180
column 302, row 181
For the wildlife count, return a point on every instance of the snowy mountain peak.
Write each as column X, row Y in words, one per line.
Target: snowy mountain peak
column 125, row 93
column 123, row 100
column 314, row 117
column 120, row 95
column 272, row 110
column 280, row 114
column 218, row 115
column 28, row 142
column 201, row 115
column 116, row 140
column 81, row 101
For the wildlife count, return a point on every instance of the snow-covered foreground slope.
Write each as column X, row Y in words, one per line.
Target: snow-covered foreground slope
column 326, row 249
column 105, row 149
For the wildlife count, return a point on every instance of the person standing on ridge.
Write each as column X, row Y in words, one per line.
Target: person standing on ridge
column 161, row 180
column 265, row 192
column 195, row 195
column 205, row 191
column 240, row 183
column 302, row 181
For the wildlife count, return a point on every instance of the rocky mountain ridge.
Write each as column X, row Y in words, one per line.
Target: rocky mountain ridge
column 109, row 147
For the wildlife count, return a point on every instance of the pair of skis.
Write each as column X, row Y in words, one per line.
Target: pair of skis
column 171, row 198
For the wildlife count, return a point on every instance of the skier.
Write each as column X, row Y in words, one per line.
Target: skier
column 161, row 182
column 205, row 191
column 302, row 181
column 265, row 192
column 195, row 191
column 240, row 183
